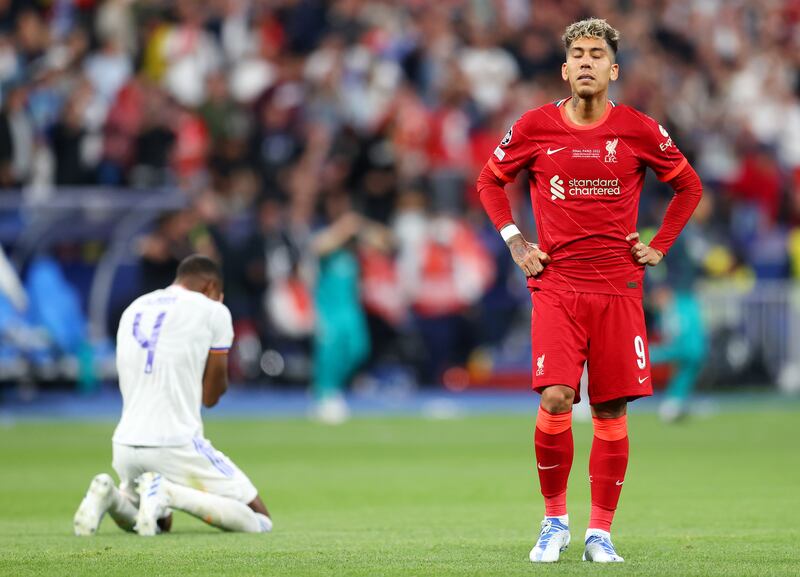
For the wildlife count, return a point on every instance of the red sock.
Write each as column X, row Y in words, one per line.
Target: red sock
column 554, row 450
column 607, row 464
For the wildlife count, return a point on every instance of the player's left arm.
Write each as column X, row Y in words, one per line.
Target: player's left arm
column 688, row 191
column 660, row 153
column 215, row 376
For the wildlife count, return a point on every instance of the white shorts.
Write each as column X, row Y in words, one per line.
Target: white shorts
column 198, row 465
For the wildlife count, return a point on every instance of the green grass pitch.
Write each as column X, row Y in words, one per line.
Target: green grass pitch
column 407, row 496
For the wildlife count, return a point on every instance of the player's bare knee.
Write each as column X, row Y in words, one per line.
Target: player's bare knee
column 557, row 399
column 610, row 409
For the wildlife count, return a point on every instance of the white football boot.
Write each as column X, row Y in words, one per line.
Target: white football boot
column 94, row 506
column 153, row 503
column 599, row 547
column 553, row 539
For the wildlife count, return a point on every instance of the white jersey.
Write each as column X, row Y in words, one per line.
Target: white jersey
column 163, row 342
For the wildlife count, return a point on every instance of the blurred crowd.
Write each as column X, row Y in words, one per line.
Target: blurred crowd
column 333, row 145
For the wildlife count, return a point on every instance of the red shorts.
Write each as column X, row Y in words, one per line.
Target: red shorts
column 608, row 332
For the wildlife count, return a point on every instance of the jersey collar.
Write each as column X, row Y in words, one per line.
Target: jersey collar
column 562, row 105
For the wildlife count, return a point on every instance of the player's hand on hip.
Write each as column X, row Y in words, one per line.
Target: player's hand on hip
column 527, row 255
column 643, row 253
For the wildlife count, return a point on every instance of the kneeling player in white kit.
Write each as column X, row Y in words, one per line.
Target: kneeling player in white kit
column 172, row 347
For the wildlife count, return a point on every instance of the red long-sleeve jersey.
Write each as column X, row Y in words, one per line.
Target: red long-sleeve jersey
column 585, row 182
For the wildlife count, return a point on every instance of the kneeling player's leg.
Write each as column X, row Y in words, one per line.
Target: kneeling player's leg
column 222, row 512
column 124, row 507
column 129, row 463
column 206, row 484
column 103, row 497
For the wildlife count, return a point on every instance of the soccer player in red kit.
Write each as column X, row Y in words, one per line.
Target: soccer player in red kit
column 586, row 158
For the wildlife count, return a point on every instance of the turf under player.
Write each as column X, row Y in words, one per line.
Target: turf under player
column 172, row 355
column 586, row 157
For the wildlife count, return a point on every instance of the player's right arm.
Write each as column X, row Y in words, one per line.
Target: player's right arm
column 508, row 159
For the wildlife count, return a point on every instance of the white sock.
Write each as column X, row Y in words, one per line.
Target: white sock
column 598, row 532
column 218, row 511
column 122, row 509
column 562, row 518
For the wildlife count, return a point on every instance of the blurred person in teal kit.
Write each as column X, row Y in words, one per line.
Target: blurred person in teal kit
column 341, row 339
column 679, row 320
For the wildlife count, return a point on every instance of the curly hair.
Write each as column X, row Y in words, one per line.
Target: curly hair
column 591, row 28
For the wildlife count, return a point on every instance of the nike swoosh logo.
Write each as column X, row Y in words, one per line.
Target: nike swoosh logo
column 554, row 150
column 641, row 380
column 619, row 483
column 545, row 468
